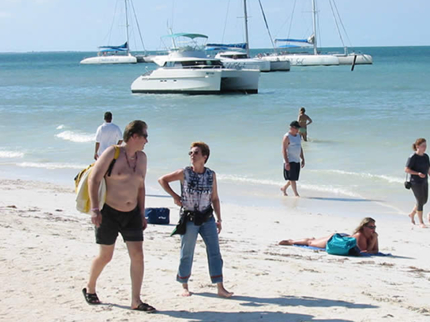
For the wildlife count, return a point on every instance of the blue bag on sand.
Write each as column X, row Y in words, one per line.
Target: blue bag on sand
column 341, row 245
column 158, row 216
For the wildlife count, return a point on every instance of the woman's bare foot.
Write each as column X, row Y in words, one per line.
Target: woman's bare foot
column 422, row 225
column 284, row 191
column 222, row 292
column 186, row 292
column 287, row 242
column 412, row 216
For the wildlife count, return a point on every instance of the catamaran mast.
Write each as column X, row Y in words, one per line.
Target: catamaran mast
column 246, row 28
column 314, row 19
column 126, row 26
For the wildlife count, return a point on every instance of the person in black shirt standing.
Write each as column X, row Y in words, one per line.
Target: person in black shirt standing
column 418, row 166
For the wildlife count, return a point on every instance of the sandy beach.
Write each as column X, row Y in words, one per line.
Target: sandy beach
column 47, row 246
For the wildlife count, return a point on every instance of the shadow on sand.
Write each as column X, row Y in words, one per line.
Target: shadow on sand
column 214, row 316
column 291, row 301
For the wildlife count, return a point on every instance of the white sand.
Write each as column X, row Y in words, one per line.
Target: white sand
column 47, row 248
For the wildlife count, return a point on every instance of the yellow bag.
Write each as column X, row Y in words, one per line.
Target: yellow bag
column 83, row 203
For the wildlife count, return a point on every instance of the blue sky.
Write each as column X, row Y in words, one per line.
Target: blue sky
column 82, row 25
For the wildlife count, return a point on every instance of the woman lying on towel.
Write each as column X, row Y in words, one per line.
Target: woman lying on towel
column 365, row 233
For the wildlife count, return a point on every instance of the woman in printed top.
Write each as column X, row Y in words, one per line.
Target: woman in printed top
column 418, row 166
column 198, row 195
column 365, row 234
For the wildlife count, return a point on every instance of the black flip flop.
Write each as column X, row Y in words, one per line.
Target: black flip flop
column 145, row 308
column 91, row 299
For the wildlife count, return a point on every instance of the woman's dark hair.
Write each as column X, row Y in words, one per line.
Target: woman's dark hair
column 204, row 148
column 417, row 143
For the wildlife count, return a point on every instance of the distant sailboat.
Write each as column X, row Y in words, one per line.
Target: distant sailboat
column 114, row 54
column 316, row 58
column 111, row 55
column 237, row 55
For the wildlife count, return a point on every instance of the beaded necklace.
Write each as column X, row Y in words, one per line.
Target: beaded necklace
column 128, row 162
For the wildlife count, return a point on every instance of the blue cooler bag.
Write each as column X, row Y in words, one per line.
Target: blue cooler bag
column 341, row 245
column 158, row 216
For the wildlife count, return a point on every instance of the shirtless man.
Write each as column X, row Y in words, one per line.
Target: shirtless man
column 304, row 120
column 124, row 210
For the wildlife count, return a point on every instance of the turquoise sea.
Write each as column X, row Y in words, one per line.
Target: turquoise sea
column 364, row 124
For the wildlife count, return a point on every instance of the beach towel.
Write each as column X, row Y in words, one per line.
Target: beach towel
column 361, row 254
column 83, row 203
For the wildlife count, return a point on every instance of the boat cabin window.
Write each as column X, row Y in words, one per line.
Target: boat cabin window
column 174, row 64
column 201, row 63
column 234, row 56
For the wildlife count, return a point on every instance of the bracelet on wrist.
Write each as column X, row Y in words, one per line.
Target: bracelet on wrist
column 94, row 209
column 219, row 220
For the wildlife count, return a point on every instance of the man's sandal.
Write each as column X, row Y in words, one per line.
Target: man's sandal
column 145, row 308
column 91, row 299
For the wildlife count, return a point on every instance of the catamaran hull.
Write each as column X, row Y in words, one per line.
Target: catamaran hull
column 114, row 59
column 280, row 66
column 197, row 81
column 362, row 59
column 311, row 60
column 276, row 64
column 164, row 80
column 250, row 63
column 240, row 81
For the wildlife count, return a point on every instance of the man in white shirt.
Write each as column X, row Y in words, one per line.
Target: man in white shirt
column 107, row 134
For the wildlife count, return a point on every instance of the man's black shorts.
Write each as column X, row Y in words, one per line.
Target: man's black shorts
column 129, row 224
column 293, row 174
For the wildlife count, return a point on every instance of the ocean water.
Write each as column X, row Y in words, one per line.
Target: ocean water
column 364, row 123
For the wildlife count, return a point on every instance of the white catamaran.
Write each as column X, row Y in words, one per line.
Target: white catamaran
column 187, row 70
column 316, row 58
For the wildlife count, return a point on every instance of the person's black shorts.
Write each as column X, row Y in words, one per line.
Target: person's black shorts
column 293, row 174
column 129, row 224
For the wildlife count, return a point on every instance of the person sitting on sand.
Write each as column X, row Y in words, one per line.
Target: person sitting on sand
column 198, row 194
column 365, row 234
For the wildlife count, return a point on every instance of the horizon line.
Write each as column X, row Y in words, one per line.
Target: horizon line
column 151, row 50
